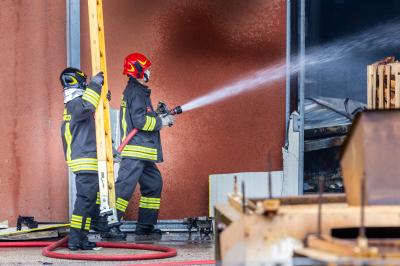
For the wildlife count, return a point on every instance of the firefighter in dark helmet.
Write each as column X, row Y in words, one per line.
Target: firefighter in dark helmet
column 140, row 155
column 79, row 141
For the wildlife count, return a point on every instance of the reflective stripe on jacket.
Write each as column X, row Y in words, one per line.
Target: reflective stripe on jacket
column 137, row 112
column 78, row 131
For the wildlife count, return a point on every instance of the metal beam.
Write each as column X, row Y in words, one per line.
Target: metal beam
column 288, row 74
column 73, row 33
column 302, row 45
column 73, row 60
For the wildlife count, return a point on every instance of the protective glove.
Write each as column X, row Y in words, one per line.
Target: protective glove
column 109, row 95
column 116, row 154
column 117, row 158
column 98, row 79
column 168, row 120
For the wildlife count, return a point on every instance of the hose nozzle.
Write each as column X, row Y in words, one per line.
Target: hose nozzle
column 176, row 111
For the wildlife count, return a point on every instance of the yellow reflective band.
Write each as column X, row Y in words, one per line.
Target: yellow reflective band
column 92, row 93
column 147, row 124
column 140, row 149
column 89, row 99
column 149, row 206
column 124, row 124
column 68, row 140
column 83, row 164
column 84, row 160
column 75, row 226
column 153, row 124
column 120, row 207
column 124, row 206
column 84, row 168
column 87, row 224
column 75, row 223
column 98, row 198
column 140, row 152
column 91, row 96
column 150, row 123
column 139, row 155
column 123, row 103
column 123, row 202
column 150, row 200
column 76, row 218
column 72, row 164
column 149, row 203
column 152, row 204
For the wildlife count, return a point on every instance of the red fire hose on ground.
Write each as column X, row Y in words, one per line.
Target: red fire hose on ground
column 49, row 247
column 163, row 252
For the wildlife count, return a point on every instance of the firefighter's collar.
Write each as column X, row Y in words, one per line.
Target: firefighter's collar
column 143, row 87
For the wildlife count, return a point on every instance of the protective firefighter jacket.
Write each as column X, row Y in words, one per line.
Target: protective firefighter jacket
column 78, row 130
column 137, row 112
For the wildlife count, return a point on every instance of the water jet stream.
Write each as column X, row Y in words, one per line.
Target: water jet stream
column 379, row 37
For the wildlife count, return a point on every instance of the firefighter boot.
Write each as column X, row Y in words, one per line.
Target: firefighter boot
column 78, row 240
column 147, row 232
column 100, row 224
column 85, row 243
column 114, row 233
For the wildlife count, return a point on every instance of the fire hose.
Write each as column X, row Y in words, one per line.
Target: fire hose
column 49, row 247
column 161, row 110
column 163, row 252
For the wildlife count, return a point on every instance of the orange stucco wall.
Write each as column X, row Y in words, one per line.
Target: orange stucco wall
column 33, row 177
column 194, row 46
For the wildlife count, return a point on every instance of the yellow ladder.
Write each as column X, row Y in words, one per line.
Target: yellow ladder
column 103, row 125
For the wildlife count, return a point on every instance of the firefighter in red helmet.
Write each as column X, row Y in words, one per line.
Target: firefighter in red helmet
column 140, row 155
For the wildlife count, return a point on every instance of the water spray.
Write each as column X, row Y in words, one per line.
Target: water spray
column 379, row 37
column 162, row 110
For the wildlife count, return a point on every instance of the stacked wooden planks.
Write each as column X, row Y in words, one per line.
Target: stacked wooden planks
column 383, row 84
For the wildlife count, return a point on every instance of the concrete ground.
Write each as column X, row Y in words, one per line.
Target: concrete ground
column 188, row 250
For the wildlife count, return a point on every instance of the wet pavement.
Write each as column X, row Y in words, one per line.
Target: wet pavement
column 189, row 248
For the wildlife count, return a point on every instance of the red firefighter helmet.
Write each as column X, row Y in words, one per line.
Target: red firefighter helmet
column 135, row 65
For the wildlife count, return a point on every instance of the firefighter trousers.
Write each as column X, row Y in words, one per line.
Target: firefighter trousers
column 85, row 207
column 131, row 172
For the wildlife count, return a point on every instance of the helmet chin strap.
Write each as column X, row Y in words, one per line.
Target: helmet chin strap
column 146, row 76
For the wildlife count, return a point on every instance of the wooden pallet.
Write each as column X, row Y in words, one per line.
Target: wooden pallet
column 383, row 84
column 42, row 232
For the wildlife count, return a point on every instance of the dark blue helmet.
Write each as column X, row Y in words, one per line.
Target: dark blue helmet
column 73, row 78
